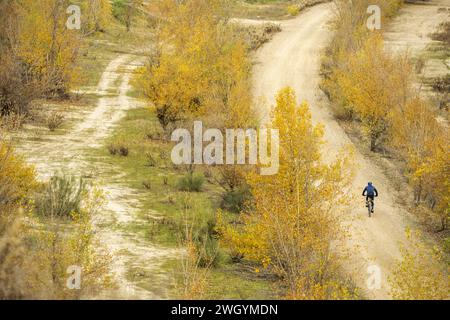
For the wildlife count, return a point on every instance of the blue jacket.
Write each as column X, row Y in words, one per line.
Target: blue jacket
column 370, row 190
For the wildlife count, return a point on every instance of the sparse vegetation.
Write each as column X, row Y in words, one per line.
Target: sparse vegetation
column 420, row 275
column 293, row 10
column 191, row 182
column 35, row 252
column 54, row 121
column 61, row 197
column 294, row 220
column 119, row 147
column 221, row 231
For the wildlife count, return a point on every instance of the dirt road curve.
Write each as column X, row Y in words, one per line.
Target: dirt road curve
column 292, row 58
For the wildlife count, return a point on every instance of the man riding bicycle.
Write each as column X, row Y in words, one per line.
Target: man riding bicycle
column 370, row 192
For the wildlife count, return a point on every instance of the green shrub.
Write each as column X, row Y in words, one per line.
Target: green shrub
column 208, row 249
column 54, row 121
column 61, row 197
column 191, row 182
column 118, row 148
column 236, row 200
column 125, row 11
column 443, row 33
column 151, row 161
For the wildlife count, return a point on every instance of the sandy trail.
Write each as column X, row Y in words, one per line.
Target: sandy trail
column 411, row 29
column 67, row 154
column 292, row 58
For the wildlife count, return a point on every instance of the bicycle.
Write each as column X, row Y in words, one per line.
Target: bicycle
column 369, row 205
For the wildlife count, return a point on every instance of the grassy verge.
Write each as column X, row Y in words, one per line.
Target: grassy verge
column 147, row 169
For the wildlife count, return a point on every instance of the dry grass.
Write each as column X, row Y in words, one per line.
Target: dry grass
column 257, row 35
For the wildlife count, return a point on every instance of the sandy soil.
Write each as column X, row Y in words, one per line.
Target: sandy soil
column 411, row 29
column 292, row 58
column 67, row 154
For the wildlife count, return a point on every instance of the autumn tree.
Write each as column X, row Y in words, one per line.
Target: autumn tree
column 97, row 14
column 351, row 33
column 296, row 212
column 374, row 85
column 126, row 10
column 199, row 68
column 48, row 49
column 422, row 142
column 17, row 184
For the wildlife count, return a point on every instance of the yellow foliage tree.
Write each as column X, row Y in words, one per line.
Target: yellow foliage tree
column 296, row 213
column 351, row 33
column 17, row 87
column 17, row 184
column 420, row 274
column 47, row 47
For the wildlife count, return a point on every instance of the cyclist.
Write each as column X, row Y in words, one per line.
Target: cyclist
column 370, row 192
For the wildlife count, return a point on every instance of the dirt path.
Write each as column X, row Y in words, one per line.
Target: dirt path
column 293, row 58
column 67, row 154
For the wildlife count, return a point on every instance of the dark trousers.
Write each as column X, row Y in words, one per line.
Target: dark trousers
column 372, row 197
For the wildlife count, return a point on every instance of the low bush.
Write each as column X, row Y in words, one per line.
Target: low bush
column 147, row 184
column 61, row 197
column 151, row 161
column 191, row 182
column 293, row 10
column 54, row 121
column 443, row 33
column 256, row 36
column 236, row 200
column 118, row 147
